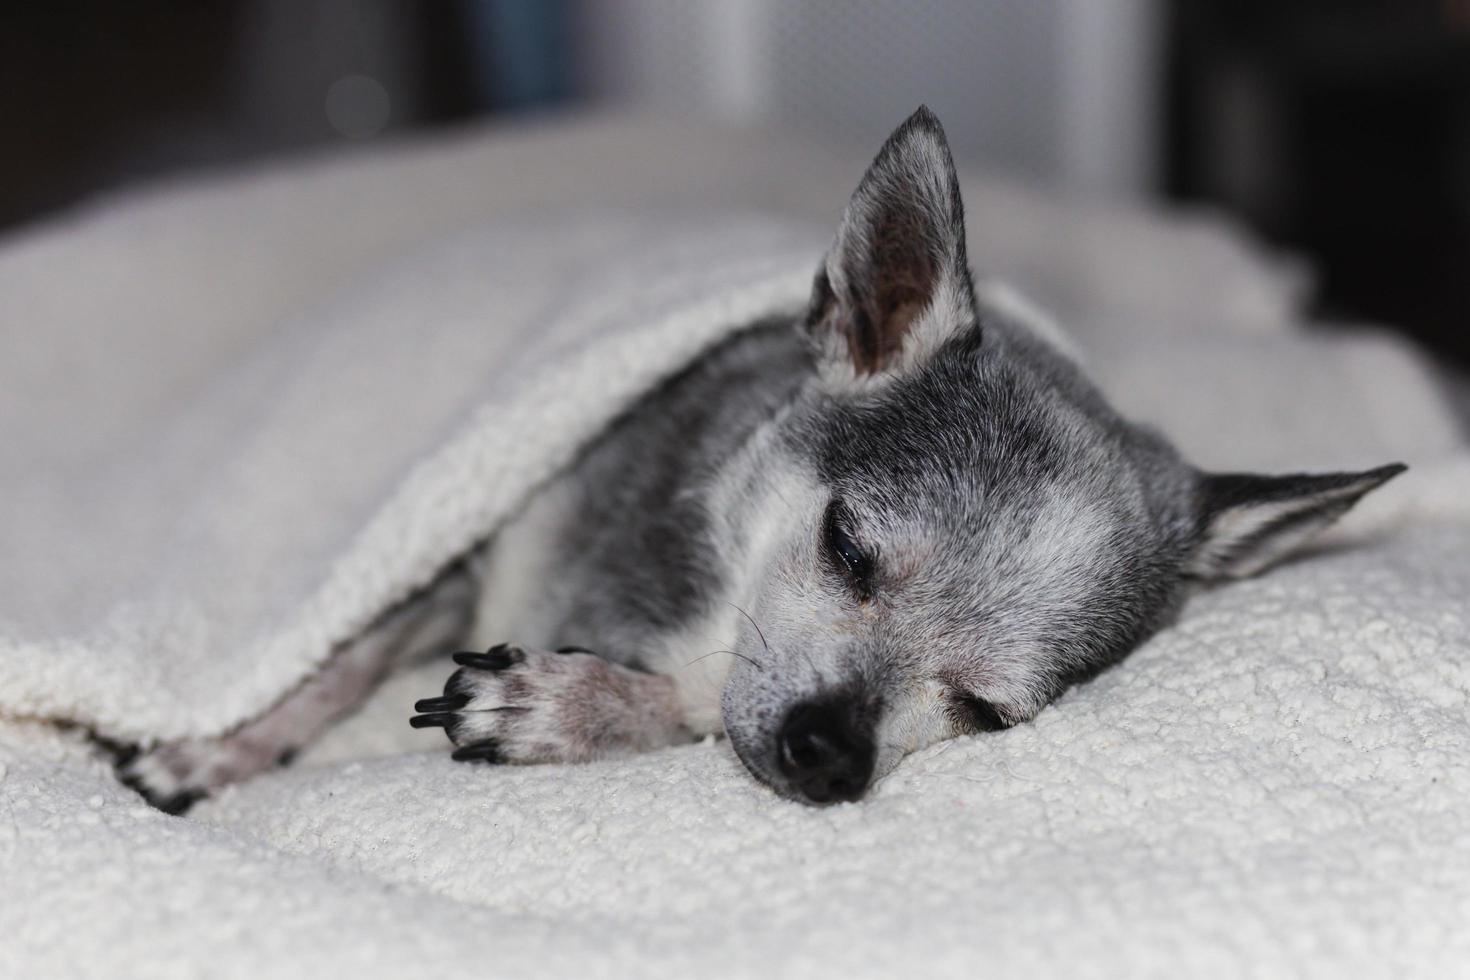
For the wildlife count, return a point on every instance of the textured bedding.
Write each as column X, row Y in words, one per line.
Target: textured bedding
column 243, row 415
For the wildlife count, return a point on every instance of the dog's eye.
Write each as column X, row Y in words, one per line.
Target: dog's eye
column 979, row 715
column 841, row 548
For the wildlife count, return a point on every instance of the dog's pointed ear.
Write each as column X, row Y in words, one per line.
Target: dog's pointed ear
column 897, row 267
column 1247, row 522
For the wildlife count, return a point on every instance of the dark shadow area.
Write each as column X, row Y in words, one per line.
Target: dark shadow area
column 1341, row 129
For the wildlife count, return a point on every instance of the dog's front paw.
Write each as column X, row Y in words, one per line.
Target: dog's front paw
column 170, row 776
column 511, row 704
column 173, row 776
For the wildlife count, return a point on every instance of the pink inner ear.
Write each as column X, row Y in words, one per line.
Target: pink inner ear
column 899, row 283
column 901, row 233
column 873, row 343
column 875, row 331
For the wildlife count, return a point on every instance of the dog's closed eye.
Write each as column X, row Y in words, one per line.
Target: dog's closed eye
column 855, row 564
column 976, row 714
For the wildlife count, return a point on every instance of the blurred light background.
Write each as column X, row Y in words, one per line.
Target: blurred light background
column 1336, row 128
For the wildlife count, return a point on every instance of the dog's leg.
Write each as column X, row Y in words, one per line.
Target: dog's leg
column 174, row 775
column 513, row 704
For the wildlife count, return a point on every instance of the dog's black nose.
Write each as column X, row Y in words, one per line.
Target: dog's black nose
column 823, row 752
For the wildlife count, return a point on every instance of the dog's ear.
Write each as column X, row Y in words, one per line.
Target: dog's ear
column 896, row 276
column 1248, row 522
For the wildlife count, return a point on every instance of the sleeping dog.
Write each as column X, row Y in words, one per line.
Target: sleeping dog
column 907, row 509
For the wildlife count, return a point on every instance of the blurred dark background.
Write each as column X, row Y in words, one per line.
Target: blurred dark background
column 1339, row 129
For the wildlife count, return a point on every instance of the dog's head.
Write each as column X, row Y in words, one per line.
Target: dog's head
column 950, row 526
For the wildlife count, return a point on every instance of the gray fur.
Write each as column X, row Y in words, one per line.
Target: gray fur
column 1025, row 536
column 848, row 532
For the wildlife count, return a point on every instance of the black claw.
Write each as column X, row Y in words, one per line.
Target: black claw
column 482, row 661
column 575, row 650
column 486, row 751
column 451, row 702
column 432, row 721
column 178, row 804
column 496, row 658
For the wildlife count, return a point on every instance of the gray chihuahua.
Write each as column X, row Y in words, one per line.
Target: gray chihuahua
column 906, row 515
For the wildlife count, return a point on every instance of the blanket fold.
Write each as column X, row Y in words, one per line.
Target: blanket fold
column 269, row 511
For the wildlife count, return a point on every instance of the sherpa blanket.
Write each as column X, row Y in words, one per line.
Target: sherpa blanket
column 200, row 501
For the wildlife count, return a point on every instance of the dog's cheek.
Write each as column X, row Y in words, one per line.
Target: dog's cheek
column 912, row 721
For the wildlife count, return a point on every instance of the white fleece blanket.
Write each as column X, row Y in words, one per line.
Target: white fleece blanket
column 200, row 500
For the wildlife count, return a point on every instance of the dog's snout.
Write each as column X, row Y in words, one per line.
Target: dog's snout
column 823, row 752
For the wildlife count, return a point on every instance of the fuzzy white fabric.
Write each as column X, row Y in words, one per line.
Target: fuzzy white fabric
column 265, row 512
column 213, row 469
